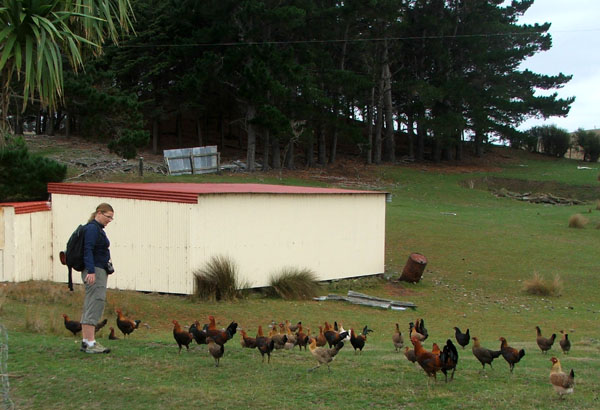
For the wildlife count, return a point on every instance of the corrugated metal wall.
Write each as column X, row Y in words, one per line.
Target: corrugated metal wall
column 26, row 245
column 156, row 246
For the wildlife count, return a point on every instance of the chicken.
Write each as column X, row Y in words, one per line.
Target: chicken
column 414, row 334
column 358, row 341
column 265, row 345
column 279, row 338
column 293, row 328
column 511, row 355
column 321, row 341
column 112, row 335
column 333, row 337
column 323, row 355
column 462, row 338
column 301, row 338
column 340, row 329
column 485, row 356
column 182, row 337
column 429, row 361
column 565, row 343
column 245, row 341
column 72, row 325
column 216, row 350
column 562, row 383
column 397, row 338
column 410, row 354
column 198, row 334
column 126, row 325
column 544, row 343
column 420, row 328
column 449, row 359
column 220, row 337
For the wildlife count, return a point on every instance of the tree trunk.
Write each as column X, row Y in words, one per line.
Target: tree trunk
column 251, row 130
column 436, row 150
column 378, row 125
column 155, row 135
column 289, row 155
column 309, row 150
column 67, row 125
column 478, row 144
column 370, row 127
column 410, row 131
column 322, row 145
column 266, row 148
column 333, row 147
column 390, row 143
column 421, row 131
column 276, row 162
column 459, row 146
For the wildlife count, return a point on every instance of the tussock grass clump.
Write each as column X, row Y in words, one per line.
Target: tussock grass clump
column 43, row 292
column 294, row 283
column 537, row 285
column 577, row 221
column 43, row 320
column 218, row 280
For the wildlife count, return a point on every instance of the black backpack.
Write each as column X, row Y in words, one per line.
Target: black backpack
column 73, row 255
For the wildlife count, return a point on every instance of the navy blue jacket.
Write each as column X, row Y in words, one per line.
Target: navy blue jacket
column 95, row 246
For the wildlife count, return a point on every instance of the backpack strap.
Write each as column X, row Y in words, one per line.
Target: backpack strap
column 70, row 279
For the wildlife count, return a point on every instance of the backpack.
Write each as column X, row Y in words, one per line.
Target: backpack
column 73, row 255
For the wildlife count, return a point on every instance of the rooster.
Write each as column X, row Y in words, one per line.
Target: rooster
column 340, row 329
column 293, row 328
column 278, row 337
column 333, row 337
column 321, row 341
column 125, row 325
column 429, row 361
column 414, row 333
column 449, row 359
column 220, row 337
column 562, row 383
column 112, row 335
column 564, row 342
column 485, row 356
column 198, row 334
column 182, row 337
column 265, row 345
column 511, row 355
column 215, row 350
column 323, row 355
column 462, row 338
column 358, row 342
column 397, row 338
column 544, row 343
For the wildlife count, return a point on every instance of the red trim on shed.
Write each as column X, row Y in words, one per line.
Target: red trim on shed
column 28, row 207
column 185, row 192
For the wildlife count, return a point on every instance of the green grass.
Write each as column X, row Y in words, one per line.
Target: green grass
column 480, row 250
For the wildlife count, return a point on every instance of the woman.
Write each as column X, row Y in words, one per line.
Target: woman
column 96, row 257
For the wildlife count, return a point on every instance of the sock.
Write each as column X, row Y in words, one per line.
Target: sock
column 91, row 343
column 85, row 341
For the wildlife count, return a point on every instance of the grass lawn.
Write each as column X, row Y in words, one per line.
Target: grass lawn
column 480, row 250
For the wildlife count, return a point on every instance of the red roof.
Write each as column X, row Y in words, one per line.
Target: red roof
column 28, row 207
column 186, row 192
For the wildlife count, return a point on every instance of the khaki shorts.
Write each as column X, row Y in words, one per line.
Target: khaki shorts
column 95, row 297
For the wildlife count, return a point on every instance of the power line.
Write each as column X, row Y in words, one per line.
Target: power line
column 355, row 40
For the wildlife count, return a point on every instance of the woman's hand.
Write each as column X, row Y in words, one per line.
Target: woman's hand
column 90, row 278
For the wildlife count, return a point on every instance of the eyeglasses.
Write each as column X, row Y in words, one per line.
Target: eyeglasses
column 111, row 217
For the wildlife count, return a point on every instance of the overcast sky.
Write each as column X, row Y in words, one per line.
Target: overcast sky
column 575, row 50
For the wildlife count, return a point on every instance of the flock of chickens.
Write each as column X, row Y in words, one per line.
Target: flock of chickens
column 330, row 340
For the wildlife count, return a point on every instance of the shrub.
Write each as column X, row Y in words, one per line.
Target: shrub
column 590, row 142
column 295, row 283
column 577, row 221
column 127, row 144
column 537, row 285
column 555, row 141
column 25, row 177
column 218, row 280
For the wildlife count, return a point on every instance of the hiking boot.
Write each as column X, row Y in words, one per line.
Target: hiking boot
column 83, row 346
column 96, row 348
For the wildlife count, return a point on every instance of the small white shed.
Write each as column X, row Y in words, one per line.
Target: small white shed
column 164, row 232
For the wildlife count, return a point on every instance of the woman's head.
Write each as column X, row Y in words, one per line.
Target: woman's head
column 104, row 214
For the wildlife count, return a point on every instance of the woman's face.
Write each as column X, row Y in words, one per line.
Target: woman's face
column 105, row 217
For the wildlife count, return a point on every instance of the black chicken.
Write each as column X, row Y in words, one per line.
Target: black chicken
column 462, row 338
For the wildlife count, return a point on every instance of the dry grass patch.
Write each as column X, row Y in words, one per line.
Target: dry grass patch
column 537, row 285
column 295, row 283
column 218, row 280
column 578, row 221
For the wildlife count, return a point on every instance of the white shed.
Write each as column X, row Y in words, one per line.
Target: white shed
column 164, row 232
column 25, row 241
